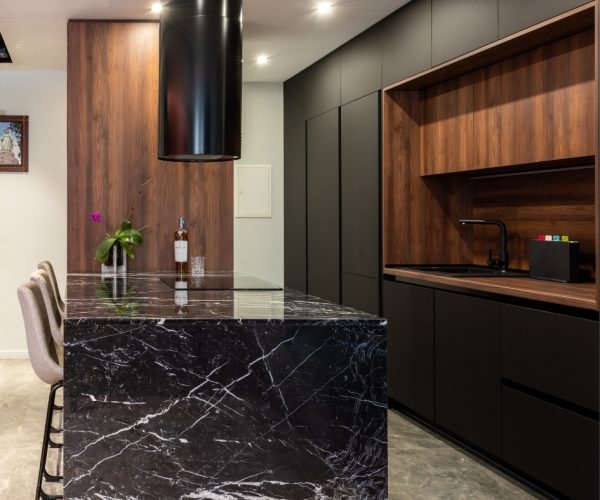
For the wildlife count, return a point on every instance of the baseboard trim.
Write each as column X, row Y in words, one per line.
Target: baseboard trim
column 14, row 355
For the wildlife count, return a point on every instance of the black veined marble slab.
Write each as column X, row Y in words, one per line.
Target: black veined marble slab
column 237, row 407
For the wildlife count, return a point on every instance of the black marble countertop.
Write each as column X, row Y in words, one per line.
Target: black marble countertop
column 245, row 395
column 143, row 296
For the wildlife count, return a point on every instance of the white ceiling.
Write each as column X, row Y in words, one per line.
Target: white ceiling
column 290, row 32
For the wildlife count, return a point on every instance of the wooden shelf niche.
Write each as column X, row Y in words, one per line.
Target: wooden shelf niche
column 513, row 140
column 530, row 108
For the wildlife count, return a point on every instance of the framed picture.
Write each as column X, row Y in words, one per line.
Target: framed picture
column 14, row 132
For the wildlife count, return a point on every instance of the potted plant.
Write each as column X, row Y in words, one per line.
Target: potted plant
column 115, row 247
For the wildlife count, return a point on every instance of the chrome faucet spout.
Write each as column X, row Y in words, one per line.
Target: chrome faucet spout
column 502, row 261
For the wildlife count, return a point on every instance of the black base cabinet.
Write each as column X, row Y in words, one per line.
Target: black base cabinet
column 518, row 384
column 409, row 311
column 467, row 368
column 551, row 444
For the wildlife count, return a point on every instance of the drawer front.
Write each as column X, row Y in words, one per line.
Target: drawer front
column 554, row 445
column 552, row 353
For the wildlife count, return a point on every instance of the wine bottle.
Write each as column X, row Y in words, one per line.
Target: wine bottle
column 181, row 248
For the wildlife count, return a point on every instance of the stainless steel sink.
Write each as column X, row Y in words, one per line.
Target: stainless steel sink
column 463, row 270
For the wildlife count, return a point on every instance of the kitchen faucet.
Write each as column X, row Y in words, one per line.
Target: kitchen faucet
column 501, row 262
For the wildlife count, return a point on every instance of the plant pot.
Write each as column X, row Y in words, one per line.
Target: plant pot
column 116, row 262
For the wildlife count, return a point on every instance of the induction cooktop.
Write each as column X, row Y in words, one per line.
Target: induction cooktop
column 208, row 282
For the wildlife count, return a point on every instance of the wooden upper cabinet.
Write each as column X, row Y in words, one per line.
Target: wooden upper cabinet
column 534, row 107
column 571, row 97
column 447, row 127
column 510, row 121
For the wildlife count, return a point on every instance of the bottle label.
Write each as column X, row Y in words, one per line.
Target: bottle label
column 181, row 293
column 181, row 248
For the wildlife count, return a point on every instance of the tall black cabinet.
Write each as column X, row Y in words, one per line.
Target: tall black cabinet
column 323, row 206
column 360, row 180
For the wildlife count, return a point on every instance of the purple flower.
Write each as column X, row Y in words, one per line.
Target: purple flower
column 96, row 217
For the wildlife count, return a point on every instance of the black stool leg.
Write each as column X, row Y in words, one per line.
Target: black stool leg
column 48, row 425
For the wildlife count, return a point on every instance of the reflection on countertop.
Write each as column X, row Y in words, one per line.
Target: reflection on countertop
column 142, row 296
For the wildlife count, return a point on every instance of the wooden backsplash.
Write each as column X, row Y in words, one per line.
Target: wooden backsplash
column 112, row 151
column 560, row 202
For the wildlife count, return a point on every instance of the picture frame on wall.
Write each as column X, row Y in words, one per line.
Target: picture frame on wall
column 14, row 135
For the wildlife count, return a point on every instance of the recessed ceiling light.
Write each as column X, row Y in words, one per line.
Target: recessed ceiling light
column 262, row 60
column 156, row 7
column 324, row 8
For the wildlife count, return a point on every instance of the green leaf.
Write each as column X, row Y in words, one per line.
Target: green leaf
column 125, row 225
column 128, row 249
column 104, row 248
column 134, row 237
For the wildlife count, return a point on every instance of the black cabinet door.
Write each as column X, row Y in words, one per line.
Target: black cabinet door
column 406, row 41
column 361, row 293
column 322, row 85
column 409, row 311
column 554, row 445
column 460, row 26
column 467, row 375
column 361, row 65
column 360, row 186
column 551, row 353
column 295, row 207
column 294, row 107
column 516, row 15
column 323, row 205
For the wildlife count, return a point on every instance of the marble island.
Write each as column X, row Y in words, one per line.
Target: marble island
column 220, row 394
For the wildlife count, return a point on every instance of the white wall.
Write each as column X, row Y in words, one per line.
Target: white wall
column 33, row 206
column 258, row 243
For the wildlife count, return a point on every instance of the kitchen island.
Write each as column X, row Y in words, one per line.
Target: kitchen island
column 214, row 394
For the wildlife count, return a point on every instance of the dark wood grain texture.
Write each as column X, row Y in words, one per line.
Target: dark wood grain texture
column 510, row 122
column 580, row 295
column 447, row 127
column 571, row 94
column 560, row 202
column 420, row 215
column 112, row 151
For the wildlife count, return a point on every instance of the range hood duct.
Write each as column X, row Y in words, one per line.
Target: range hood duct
column 200, row 88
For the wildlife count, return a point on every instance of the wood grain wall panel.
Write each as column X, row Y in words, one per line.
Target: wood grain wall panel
column 571, row 96
column 510, row 116
column 447, row 126
column 560, row 202
column 420, row 215
column 112, row 150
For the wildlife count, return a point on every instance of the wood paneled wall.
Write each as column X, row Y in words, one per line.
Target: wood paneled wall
column 529, row 114
column 560, row 202
column 532, row 107
column 112, row 151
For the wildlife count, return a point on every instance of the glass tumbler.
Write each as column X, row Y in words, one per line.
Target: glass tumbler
column 198, row 263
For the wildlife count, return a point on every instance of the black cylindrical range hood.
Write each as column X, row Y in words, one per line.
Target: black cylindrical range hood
column 200, row 88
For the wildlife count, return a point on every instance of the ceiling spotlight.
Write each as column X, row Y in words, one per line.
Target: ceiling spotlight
column 324, row 8
column 262, row 60
column 156, row 7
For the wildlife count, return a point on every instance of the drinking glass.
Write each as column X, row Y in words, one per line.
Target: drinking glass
column 198, row 263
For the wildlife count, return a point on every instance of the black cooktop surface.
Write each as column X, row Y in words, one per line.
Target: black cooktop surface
column 216, row 282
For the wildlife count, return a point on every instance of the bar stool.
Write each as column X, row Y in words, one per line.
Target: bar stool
column 44, row 360
column 46, row 265
column 55, row 320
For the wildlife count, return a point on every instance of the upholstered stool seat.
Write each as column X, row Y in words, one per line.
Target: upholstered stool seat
column 45, row 362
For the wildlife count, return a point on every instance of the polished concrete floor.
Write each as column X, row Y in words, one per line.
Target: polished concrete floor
column 421, row 466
